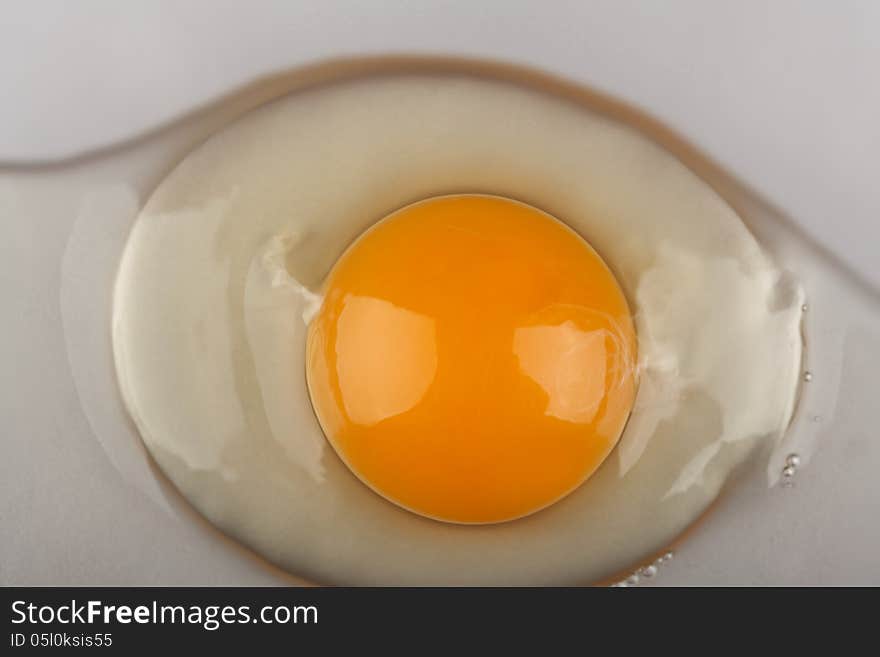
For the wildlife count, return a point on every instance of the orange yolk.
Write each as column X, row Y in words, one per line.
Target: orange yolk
column 473, row 359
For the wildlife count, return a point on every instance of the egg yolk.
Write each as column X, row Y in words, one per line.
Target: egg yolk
column 473, row 359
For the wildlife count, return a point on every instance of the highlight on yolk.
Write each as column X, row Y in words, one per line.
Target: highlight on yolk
column 473, row 359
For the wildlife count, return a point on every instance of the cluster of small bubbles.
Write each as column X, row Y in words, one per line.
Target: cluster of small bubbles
column 792, row 461
column 808, row 376
column 645, row 572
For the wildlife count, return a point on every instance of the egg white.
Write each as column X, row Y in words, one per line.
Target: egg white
column 219, row 278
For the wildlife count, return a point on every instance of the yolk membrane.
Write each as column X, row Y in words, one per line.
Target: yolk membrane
column 473, row 359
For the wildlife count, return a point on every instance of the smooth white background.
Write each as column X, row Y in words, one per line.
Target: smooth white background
column 785, row 94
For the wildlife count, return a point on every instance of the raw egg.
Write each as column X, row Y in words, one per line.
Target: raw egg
column 473, row 359
column 336, row 290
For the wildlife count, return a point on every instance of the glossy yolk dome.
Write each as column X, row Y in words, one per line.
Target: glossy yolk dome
column 473, row 359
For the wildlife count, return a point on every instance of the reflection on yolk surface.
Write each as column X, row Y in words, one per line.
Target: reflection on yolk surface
column 473, row 359
column 386, row 358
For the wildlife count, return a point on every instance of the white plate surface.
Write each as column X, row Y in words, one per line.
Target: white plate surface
column 780, row 95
